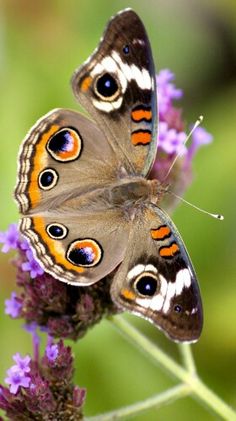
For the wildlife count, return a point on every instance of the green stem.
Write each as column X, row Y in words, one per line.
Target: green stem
column 197, row 387
column 156, row 401
column 187, row 356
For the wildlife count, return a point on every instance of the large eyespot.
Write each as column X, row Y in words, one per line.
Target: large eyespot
column 106, row 87
column 146, row 284
column 47, row 179
column 86, row 252
column 65, row 145
column 57, row 231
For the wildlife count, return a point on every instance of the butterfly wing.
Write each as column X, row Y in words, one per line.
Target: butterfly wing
column 117, row 87
column 66, row 167
column 64, row 155
column 156, row 279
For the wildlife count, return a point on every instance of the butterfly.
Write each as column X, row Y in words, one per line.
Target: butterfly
column 87, row 206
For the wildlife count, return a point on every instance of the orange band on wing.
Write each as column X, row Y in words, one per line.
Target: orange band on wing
column 141, row 114
column 170, row 251
column 160, row 233
column 39, row 162
column 141, row 137
column 86, row 83
column 126, row 293
column 56, row 250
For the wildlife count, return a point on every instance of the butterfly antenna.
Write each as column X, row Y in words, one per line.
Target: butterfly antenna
column 214, row 215
column 198, row 122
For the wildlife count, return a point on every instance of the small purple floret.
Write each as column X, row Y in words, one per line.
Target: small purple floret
column 24, row 244
column 16, row 378
column 22, row 362
column 32, row 265
column 9, row 238
column 170, row 140
column 52, row 352
column 13, row 306
column 167, row 91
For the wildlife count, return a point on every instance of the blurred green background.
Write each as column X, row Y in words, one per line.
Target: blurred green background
column 41, row 43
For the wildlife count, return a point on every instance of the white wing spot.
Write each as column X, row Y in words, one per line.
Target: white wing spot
column 133, row 273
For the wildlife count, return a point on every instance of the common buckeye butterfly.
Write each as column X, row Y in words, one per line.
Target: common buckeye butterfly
column 86, row 203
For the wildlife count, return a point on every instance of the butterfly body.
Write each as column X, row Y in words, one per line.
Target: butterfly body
column 86, row 203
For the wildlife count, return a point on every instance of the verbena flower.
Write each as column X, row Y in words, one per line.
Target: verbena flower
column 52, row 352
column 16, row 378
column 42, row 388
column 13, row 306
column 66, row 311
column 31, row 265
column 10, row 238
column 22, row 362
column 171, row 141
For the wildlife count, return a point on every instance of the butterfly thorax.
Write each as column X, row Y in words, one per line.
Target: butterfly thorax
column 135, row 192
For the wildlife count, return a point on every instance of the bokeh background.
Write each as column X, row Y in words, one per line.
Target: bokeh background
column 41, row 43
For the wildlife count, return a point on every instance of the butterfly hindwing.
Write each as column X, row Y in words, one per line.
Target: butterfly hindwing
column 77, row 247
column 156, row 279
column 117, row 87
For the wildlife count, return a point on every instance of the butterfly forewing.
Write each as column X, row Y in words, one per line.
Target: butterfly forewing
column 64, row 155
column 117, row 86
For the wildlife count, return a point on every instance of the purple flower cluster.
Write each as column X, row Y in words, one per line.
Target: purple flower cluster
column 172, row 135
column 9, row 238
column 18, row 373
column 65, row 311
column 171, row 126
column 39, row 387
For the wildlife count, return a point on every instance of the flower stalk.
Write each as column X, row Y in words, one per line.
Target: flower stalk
column 188, row 377
column 156, row 402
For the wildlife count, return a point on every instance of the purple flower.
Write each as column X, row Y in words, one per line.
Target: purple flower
column 22, row 362
column 171, row 141
column 16, row 378
column 167, row 91
column 199, row 137
column 13, row 306
column 32, row 265
column 24, row 244
column 41, row 388
column 9, row 238
column 52, row 352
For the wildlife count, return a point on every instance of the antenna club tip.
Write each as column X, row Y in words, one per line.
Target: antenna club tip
column 200, row 118
column 220, row 217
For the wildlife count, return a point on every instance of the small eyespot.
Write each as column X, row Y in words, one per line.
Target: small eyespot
column 65, row 145
column 126, row 49
column 178, row 308
column 57, row 231
column 146, row 284
column 48, row 179
column 106, row 87
column 86, row 253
